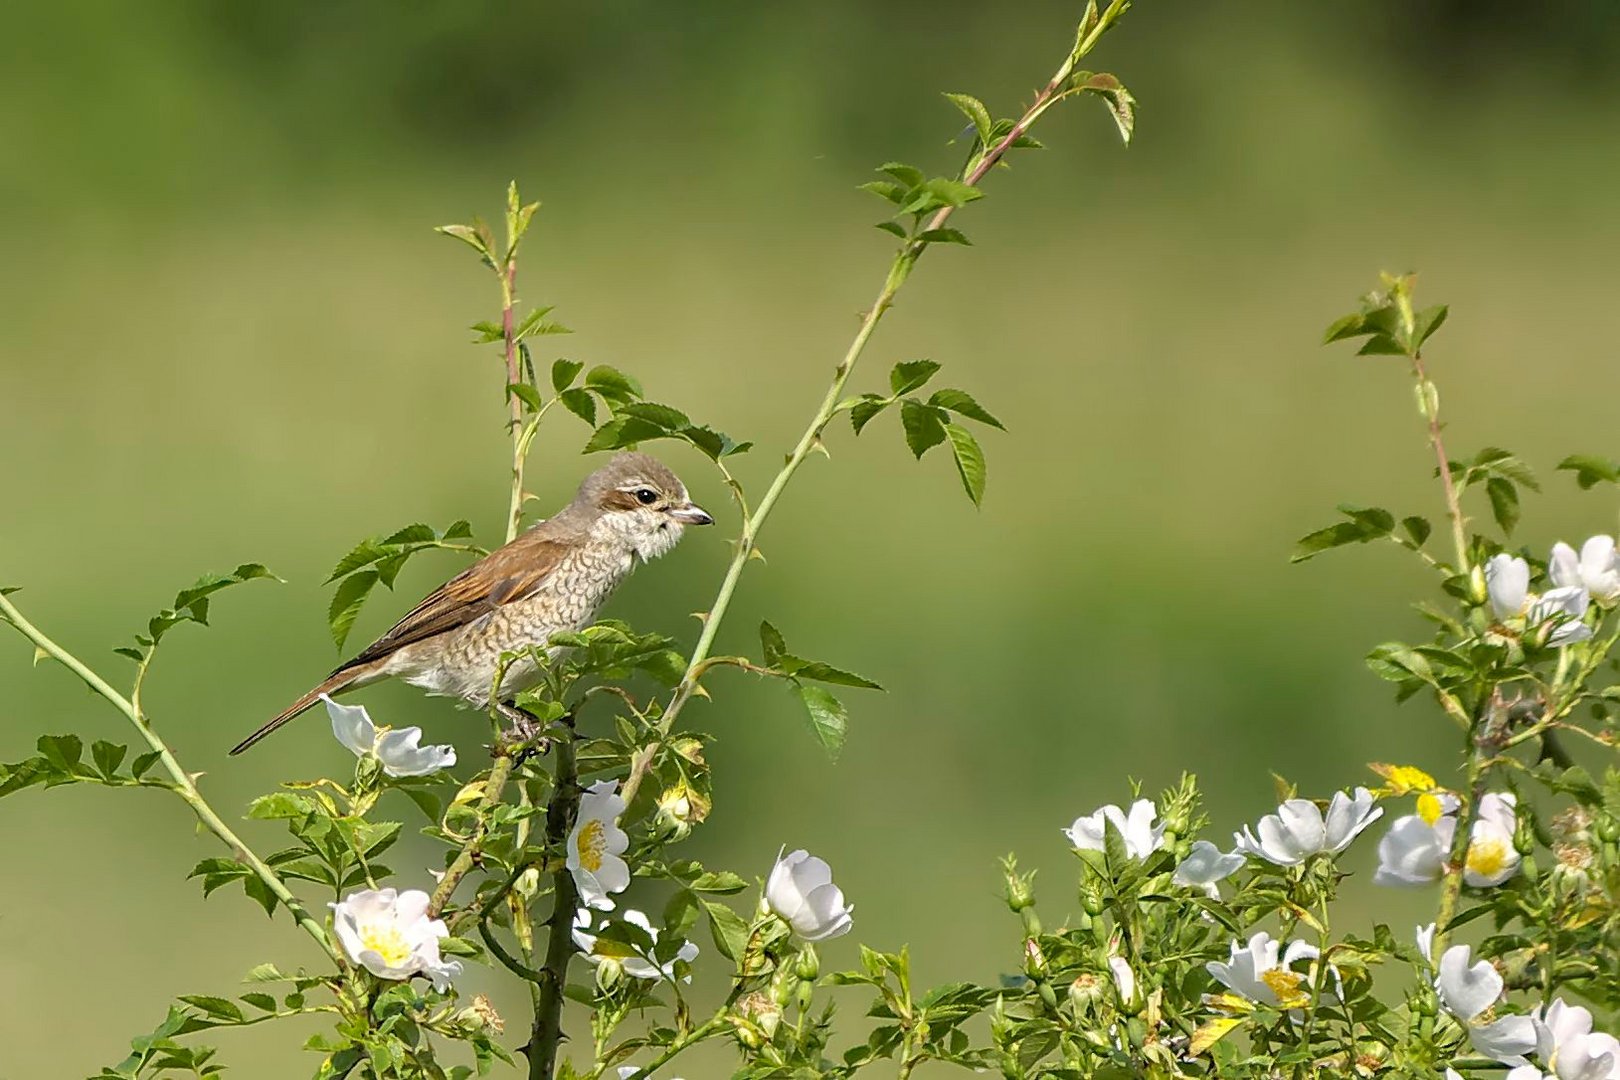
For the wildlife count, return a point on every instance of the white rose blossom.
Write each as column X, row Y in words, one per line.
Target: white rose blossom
column 1414, row 850
column 1124, row 978
column 596, row 846
column 801, row 891
column 632, row 963
column 1204, row 866
column 1596, row 569
column 1136, row 828
column 1299, row 829
column 389, row 934
column 1507, row 584
column 1263, row 971
column 1467, row 991
column 398, row 751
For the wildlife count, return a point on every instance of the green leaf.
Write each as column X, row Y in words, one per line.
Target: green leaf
column 563, row 374
column 108, row 756
column 729, row 930
column 909, row 375
column 613, row 384
column 950, row 192
column 346, row 603
column 974, row 110
column 1590, row 471
column 467, row 235
column 909, row 175
column 893, row 227
column 214, row 1007
column 944, row 236
column 262, row 973
column 771, row 644
column 1428, row 321
column 1382, row 345
column 962, row 403
column 889, row 190
column 1352, row 325
column 969, row 461
column 623, row 431
column 1504, row 502
column 534, row 324
column 820, row 672
column 669, row 419
column 865, row 410
column 1365, row 525
column 1121, row 104
column 1417, row 528
column 526, row 394
column 580, row 403
column 485, row 332
column 62, row 752
column 924, row 426
column 280, row 805
column 828, row 720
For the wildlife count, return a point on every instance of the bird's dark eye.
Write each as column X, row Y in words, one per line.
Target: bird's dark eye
column 645, row 496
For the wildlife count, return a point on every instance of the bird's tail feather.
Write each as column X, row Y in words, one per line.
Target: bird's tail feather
column 335, row 682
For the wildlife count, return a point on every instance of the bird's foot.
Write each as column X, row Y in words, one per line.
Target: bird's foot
column 523, row 734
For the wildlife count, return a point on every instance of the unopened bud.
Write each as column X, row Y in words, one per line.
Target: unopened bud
column 1091, row 897
column 808, row 965
column 1001, row 1029
column 1020, row 890
column 608, row 973
column 1034, row 959
column 674, row 815
column 527, row 883
column 1608, row 828
column 1086, row 990
column 784, row 986
column 1524, row 831
column 1477, row 592
column 758, row 1017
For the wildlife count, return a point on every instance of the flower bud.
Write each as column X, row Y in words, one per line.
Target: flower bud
column 1091, row 897
column 1034, row 959
column 1524, row 831
column 1001, row 1029
column 608, row 974
column 1020, row 890
column 527, row 883
column 1477, row 592
column 809, row 964
column 1608, row 828
column 784, row 986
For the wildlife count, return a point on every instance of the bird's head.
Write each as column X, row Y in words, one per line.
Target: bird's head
column 639, row 502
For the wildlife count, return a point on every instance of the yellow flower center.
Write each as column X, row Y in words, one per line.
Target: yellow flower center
column 1405, row 778
column 1429, row 807
column 592, row 842
column 1286, row 985
column 1488, row 857
column 387, row 942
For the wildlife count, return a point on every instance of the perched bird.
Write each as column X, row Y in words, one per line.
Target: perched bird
column 550, row 580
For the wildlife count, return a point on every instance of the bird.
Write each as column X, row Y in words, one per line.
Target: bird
column 550, row 579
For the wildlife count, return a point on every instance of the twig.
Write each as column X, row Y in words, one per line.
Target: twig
column 494, row 786
column 181, row 782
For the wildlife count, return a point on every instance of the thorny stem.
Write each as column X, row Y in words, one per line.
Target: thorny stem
column 522, row 434
column 181, row 782
column 1428, row 401
column 546, row 1033
column 703, row 1031
column 904, row 260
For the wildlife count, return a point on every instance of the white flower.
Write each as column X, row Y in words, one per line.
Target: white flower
column 389, row 933
column 629, row 960
column 398, row 751
column 1507, row 583
column 1425, row 942
column 1467, row 991
column 1563, row 609
column 1596, row 569
column 1299, row 830
column 1256, row 972
column 1567, row 1044
column 801, row 891
column 1204, row 866
column 1414, row 850
column 596, row 844
column 1136, row 828
column 1124, row 978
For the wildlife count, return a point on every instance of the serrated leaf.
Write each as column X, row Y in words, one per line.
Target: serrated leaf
column 1417, row 529
column 563, row 374
column 1352, row 325
column 1590, row 470
column 893, row 227
column 613, row 384
column 924, row 426
column 107, row 756
column 280, row 805
column 346, row 603
column 944, row 236
column 1121, row 103
column 1212, row 1032
column 1504, row 502
column 467, row 235
column 820, row 672
column 909, row 375
column 664, row 416
column 534, row 324
column 61, row 751
column 865, row 410
column 1381, row 345
column 969, row 461
column 580, row 403
column 1428, row 321
column 888, row 190
column 962, row 403
column 526, row 394
column 771, row 644
column 828, row 720
column 729, row 930
column 908, row 175
column 975, row 111
column 623, row 431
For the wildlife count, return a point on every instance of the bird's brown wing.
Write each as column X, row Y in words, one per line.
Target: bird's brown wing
column 504, row 576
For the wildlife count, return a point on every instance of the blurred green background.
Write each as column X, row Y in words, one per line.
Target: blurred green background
column 228, row 334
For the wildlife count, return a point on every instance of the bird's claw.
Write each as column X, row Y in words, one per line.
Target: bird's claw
column 523, row 734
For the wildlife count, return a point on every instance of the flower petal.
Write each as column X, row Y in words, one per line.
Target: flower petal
column 352, row 726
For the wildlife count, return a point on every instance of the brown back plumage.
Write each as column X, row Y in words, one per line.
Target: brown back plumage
column 506, row 575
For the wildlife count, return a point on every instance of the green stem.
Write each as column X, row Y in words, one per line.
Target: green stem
column 709, row 1027
column 1479, row 754
column 181, row 782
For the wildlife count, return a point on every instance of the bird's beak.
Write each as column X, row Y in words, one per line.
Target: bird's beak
column 691, row 514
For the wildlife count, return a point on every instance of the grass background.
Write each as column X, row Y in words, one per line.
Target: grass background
column 228, row 334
